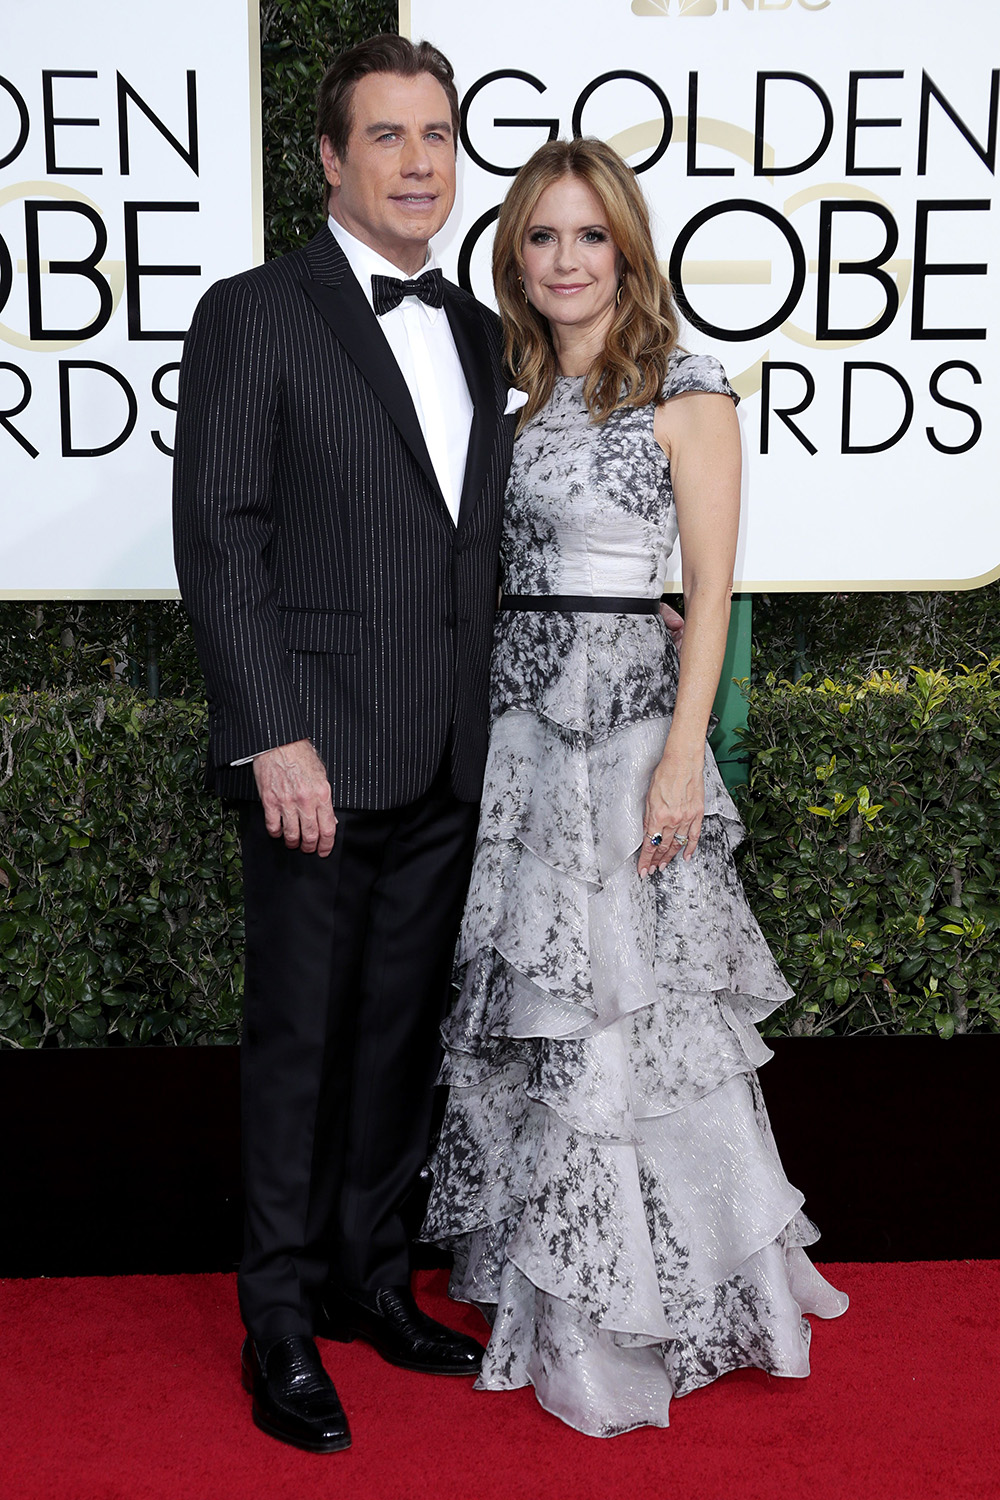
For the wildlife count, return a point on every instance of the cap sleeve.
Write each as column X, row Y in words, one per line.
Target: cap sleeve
column 696, row 372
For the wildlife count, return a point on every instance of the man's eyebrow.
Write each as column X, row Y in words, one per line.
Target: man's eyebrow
column 380, row 126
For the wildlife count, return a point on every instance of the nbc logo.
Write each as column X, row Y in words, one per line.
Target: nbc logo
column 709, row 7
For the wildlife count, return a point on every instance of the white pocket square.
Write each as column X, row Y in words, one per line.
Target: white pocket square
column 515, row 400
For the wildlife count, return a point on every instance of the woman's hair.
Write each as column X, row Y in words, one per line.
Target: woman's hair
column 633, row 365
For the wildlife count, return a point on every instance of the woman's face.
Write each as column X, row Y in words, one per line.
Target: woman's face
column 571, row 263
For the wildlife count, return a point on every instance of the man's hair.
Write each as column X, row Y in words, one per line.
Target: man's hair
column 381, row 54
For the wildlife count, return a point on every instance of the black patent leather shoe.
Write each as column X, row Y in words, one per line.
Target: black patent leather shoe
column 294, row 1398
column 393, row 1324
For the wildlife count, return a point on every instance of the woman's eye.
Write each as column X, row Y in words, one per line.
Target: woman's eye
column 539, row 237
column 595, row 237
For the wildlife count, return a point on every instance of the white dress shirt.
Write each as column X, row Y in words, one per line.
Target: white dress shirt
column 421, row 339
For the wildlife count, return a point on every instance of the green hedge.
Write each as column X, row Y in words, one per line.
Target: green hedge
column 852, row 635
column 873, row 811
column 64, row 644
column 874, row 818
column 120, row 915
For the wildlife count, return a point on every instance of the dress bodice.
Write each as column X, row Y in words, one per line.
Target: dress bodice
column 590, row 506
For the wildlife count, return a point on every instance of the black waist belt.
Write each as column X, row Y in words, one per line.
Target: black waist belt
column 592, row 604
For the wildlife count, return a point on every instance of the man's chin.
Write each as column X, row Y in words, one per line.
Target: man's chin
column 418, row 226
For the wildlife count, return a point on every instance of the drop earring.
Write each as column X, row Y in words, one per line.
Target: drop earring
column 520, row 282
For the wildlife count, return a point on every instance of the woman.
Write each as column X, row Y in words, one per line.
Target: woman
column 605, row 1174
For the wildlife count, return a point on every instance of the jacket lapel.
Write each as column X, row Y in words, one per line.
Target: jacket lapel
column 471, row 346
column 333, row 288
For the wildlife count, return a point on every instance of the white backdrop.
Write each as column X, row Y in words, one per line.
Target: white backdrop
column 897, row 101
column 872, row 136
column 100, row 212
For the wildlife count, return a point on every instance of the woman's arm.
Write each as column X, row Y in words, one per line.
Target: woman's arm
column 700, row 435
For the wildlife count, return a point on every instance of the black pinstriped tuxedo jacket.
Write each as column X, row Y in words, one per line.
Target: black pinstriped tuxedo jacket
column 331, row 593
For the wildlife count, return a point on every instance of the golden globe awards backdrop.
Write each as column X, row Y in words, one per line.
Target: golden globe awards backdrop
column 822, row 175
column 129, row 181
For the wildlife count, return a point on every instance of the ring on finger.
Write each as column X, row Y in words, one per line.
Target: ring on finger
column 680, row 838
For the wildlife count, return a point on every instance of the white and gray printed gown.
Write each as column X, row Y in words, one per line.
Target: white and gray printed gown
column 606, row 1175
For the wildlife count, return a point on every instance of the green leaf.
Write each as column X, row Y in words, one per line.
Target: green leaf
column 909, row 968
column 85, row 1026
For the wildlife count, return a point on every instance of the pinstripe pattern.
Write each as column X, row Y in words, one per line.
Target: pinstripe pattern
column 332, row 595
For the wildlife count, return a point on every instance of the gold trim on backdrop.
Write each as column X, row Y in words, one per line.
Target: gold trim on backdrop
column 855, row 586
column 749, row 381
column 708, row 132
column 55, row 595
column 740, row 586
column 405, row 20
column 726, row 272
column 256, row 135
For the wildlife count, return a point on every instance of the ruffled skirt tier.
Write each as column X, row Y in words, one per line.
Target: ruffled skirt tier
column 605, row 1173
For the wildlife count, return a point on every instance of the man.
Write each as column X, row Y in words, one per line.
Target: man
column 342, row 449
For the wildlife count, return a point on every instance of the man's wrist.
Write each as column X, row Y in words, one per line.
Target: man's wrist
column 246, row 760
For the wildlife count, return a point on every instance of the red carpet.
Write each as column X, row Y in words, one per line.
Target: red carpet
column 128, row 1389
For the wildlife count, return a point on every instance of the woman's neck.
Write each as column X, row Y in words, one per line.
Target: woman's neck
column 576, row 349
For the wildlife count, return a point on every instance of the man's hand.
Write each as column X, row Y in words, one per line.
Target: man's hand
column 674, row 623
column 298, row 804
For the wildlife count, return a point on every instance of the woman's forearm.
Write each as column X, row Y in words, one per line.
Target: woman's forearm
column 706, row 626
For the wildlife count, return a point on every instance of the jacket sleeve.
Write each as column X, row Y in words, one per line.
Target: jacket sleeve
column 227, row 420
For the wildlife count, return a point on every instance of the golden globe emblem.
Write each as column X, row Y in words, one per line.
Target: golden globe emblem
column 711, row 7
column 681, row 7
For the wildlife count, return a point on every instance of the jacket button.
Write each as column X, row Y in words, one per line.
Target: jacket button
column 449, row 619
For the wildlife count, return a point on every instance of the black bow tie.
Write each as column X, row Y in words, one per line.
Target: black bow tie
column 389, row 291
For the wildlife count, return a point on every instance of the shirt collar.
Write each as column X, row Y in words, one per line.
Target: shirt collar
column 366, row 263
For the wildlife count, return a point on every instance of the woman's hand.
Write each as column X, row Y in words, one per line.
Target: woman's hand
column 675, row 807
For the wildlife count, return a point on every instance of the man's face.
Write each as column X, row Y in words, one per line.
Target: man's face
column 395, row 187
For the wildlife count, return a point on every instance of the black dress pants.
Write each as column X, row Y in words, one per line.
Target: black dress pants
column 347, row 977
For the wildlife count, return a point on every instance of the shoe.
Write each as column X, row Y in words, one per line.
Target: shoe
column 294, row 1398
column 393, row 1324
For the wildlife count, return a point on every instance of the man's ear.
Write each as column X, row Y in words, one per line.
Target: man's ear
column 331, row 163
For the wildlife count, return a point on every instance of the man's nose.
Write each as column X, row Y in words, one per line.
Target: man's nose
column 416, row 158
